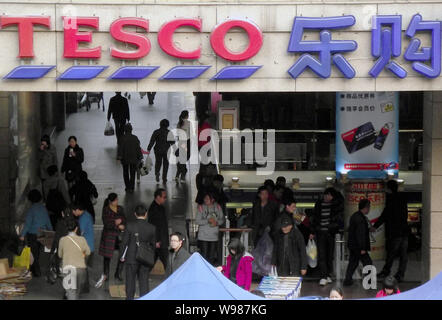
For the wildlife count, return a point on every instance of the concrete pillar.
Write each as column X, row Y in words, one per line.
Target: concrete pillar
column 4, row 162
column 432, row 186
column 29, row 134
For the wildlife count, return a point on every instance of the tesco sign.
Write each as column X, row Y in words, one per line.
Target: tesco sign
column 73, row 37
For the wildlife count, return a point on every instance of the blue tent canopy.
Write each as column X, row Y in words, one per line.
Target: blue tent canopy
column 431, row 290
column 197, row 279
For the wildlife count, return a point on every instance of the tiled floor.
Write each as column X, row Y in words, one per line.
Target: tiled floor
column 106, row 173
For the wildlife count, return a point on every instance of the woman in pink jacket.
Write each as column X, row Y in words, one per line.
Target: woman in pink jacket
column 390, row 287
column 239, row 265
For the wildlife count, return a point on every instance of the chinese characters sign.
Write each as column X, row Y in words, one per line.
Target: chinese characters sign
column 386, row 45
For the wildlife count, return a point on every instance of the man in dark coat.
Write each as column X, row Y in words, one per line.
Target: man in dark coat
column 263, row 215
column 157, row 216
column 358, row 240
column 159, row 138
column 395, row 217
column 289, row 255
column 119, row 110
column 130, row 155
column 177, row 254
column 142, row 231
column 325, row 222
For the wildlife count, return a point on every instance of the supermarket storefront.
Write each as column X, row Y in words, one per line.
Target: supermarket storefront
column 243, row 47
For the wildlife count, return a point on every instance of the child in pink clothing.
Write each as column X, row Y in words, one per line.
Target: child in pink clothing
column 390, row 287
column 239, row 265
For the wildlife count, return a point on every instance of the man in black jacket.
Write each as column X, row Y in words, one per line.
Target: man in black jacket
column 395, row 217
column 177, row 254
column 158, row 217
column 324, row 224
column 263, row 215
column 145, row 233
column 130, row 155
column 289, row 255
column 358, row 240
column 119, row 110
column 159, row 138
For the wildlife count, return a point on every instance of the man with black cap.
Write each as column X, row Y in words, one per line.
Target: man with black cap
column 289, row 254
column 130, row 155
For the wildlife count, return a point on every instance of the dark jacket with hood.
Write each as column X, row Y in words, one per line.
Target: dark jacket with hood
column 296, row 253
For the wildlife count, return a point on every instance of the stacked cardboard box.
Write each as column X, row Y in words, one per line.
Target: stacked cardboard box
column 13, row 280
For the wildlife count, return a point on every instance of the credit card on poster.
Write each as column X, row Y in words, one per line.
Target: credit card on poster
column 359, row 137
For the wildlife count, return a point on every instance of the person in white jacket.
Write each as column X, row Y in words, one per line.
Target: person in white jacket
column 209, row 217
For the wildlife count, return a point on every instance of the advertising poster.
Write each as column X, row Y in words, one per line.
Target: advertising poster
column 367, row 134
column 374, row 192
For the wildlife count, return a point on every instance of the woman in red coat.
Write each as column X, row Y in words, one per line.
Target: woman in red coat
column 239, row 265
column 114, row 222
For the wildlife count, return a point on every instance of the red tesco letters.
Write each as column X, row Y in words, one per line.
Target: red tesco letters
column 25, row 32
column 73, row 37
column 139, row 40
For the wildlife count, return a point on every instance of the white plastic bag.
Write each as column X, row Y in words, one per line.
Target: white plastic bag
column 109, row 129
column 312, row 253
column 83, row 99
column 146, row 167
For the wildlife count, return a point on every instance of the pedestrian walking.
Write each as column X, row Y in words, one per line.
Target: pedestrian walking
column 61, row 230
column 328, row 216
column 358, row 240
column 157, row 217
column 130, row 156
column 114, row 222
column 209, row 217
column 183, row 151
column 73, row 250
column 85, row 193
column 177, row 253
column 239, row 265
column 137, row 232
column 119, row 111
column 57, row 196
column 72, row 161
column 160, row 143
column 395, row 218
column 37, row 220
column 47, row 156
column 151, row 97
column 86, row 230
column 289, row 254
